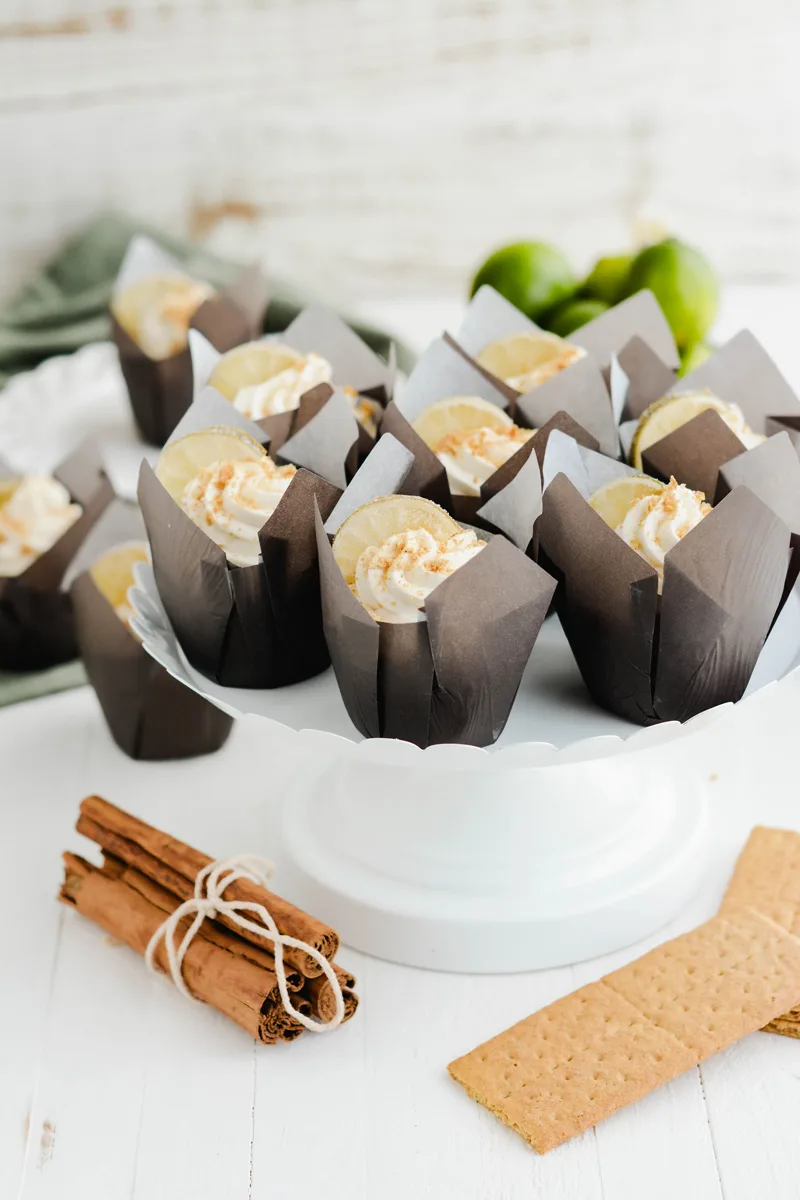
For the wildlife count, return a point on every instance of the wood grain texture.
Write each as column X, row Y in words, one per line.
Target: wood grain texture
column 369, row 149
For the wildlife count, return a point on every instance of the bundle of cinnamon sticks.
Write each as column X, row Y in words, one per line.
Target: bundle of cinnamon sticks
column 146, row 875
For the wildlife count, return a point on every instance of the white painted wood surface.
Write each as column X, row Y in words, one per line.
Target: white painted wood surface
column 375, row 149
column 112, row 1087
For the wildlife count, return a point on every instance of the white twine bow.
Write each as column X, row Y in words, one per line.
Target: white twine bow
column 208, row 902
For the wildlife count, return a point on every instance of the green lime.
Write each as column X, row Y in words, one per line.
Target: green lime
column 694, row 356
column 607, row 279
column 569, row 316
column 684, row 284
column 531, row 275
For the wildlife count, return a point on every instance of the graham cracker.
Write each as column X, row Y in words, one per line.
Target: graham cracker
column 767, row 878
column 563, row 1069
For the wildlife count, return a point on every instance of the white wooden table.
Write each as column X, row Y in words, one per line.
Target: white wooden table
column 112, row 1087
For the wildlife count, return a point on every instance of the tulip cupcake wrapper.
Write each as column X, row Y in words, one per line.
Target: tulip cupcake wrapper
column 740, row 372
column 654, row 659
column 510, row 499
column 37, row 629
column 582, row 389
column 249, row 627
column 160, row 392
column 320, row 331
column 454, row 676
column 150, row 715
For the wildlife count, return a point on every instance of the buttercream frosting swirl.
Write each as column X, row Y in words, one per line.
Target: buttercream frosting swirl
column 163, row 326
column 471, row 456
column 656, row 523
column 281, row 393
column 394, row 580
column 38, row 512
column 231, row 501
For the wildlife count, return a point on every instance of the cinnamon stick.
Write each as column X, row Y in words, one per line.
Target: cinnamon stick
column 319, row 993
column 167, row 903
column 231, row 982
column 174, row 865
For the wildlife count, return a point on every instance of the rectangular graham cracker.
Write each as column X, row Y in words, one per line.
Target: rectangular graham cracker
column 767, row 878
column 565, row 1068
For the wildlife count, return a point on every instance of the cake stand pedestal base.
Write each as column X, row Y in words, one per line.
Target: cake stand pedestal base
column 477, row 871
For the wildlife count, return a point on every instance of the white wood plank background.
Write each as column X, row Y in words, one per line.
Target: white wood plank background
column 371, row 149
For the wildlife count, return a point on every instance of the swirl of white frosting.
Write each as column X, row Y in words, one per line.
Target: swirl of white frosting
column 394, row 580
column 471, row 456
column 163, row 327
column 654, row 524
column 231, row 501
column 37, row 513
column 282, row 392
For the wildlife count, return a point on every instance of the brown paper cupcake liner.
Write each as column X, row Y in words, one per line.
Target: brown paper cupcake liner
column 150, row 715
column 37, row 628
column 651, row 658
column 258, row 626
column 320, row 331
column 740, row 373
column 624, row 333
column 453, row 677
column 160, row 391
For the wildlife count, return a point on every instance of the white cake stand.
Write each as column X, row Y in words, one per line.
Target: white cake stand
column 533, row 854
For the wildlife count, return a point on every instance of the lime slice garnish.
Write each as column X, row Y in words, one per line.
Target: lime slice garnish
column 458, row 414
column 374, row 523
column 181, row 460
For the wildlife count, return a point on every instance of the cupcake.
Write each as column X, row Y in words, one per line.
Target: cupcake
column 150, row 715
column 43, row 522
column 154, row 305
column 726, row 406
column 268, row 380
column 667, row 596
column 457, row 424
column 472, row 438
column 429, row 625
column 585, row 376
column 233, row 549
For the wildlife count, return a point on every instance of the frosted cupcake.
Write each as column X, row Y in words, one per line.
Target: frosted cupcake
column 154, row 305
column 35, row 512
column 265, row 378
column 472, row 438
column 425, row 645
column 150, row 715
column 43, row 522
column 233, row 551
column 666, row 599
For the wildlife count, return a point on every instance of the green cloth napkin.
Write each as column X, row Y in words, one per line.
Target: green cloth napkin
column 65, row 306
column 15, row 688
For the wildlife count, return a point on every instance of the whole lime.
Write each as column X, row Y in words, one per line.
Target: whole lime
column 533, row 276
column 608, row 277
column 684, row 284
column 569, row 316
column 694, row 357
